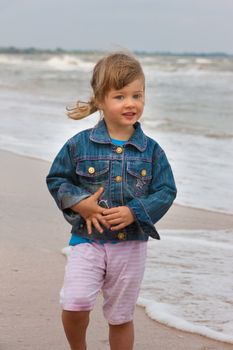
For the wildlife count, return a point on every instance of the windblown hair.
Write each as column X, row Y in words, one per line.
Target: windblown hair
column 114, row 71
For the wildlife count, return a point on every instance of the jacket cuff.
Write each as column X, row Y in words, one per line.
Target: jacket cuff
column 139, row 212
column 72, row 217
column 68, row 196
column 67, row 201
column 142, row 218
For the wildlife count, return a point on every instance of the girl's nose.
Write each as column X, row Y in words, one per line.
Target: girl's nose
column 129, row 101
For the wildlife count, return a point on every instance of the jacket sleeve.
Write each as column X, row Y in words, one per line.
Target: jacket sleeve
column 62, row 183
column 162, row 192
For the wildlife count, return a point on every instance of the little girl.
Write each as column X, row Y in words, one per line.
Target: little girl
column 112, row 183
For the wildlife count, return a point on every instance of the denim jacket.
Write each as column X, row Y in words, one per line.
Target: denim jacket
column 137, row 175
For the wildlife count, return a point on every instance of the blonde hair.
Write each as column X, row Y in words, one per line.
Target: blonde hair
column 111, row 72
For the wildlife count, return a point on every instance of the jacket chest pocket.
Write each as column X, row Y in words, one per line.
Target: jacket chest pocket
column 139, row 175
column 92, row 174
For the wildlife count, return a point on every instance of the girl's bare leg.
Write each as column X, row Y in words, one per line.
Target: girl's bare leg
column 121, row 337
column 75, row 325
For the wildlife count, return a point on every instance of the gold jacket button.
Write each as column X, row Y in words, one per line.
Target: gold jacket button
column 119, row 150
column 121, row 235
column 118, row 178
column 143, row 172
column 91, row 170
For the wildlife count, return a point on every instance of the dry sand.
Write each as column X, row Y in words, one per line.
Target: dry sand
column 32, row 234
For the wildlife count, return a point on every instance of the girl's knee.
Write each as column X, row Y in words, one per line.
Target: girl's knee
column 121, row 324
column 76, row 317
column 76, row 303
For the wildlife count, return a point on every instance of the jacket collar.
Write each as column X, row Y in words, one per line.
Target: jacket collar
column 100, row 134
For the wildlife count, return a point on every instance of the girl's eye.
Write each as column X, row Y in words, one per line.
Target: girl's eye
column 137, row 96
column 119, row 97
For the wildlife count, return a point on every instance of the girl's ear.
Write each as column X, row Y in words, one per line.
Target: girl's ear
column 99, row 105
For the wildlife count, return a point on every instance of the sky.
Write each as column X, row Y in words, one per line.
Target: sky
column 143, row 25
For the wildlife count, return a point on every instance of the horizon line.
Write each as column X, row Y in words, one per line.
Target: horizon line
column 32, row 49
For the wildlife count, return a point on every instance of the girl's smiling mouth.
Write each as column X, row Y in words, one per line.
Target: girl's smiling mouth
column 129, row 114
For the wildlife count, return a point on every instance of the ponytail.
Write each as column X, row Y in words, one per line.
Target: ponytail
column 81, row 109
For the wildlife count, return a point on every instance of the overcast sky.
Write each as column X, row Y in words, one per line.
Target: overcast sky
column 151, row 25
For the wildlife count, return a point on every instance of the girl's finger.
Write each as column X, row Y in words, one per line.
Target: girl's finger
column 110, row 211
column 106, row 224
column 115, row 221
column 112, row 216
column 89, row 226
column 103, row 221
column 118, row 227
column 98, row 193
column 97, row 225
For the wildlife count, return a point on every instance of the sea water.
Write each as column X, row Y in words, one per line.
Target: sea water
column 188, row 282
column 189, row 111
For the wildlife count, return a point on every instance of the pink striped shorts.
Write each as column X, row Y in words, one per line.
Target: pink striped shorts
column 116, row 269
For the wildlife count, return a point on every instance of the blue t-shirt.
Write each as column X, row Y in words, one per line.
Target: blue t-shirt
column 78, row 240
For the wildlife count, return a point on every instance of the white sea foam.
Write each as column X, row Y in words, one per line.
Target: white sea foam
column 163, row 313
column 189, row 71
column 201, row 242
column 14, row 60
column 20, row 60
column 182, row 61
column 203, row 61
column 69, row 62
column 188, row 282
column 66, row 62
column 66, row 251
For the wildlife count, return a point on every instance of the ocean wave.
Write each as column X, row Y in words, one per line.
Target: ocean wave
column 162, row 65
column 199, row 241
column 56, row 62
column 69, row 62
column 169, row 125
column 210, row 206
column 196, row 264
column 203, row 61
column 12, row 60
column 193, row 71
column 163, row 313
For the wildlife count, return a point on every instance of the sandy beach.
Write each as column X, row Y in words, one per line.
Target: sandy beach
column 33, row 232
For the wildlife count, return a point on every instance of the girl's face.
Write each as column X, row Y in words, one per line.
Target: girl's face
column 122, row 108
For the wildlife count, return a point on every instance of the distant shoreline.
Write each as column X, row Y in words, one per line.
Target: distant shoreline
column 35, row 50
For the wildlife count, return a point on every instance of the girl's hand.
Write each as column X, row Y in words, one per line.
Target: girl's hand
column 92, row 213
column 118, row 217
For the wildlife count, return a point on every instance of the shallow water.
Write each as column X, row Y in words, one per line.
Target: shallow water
column 188, row 282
